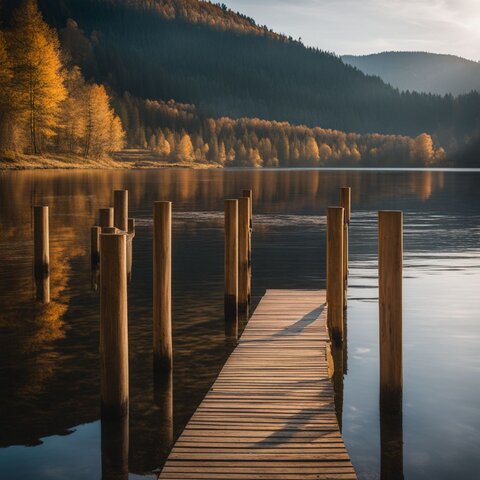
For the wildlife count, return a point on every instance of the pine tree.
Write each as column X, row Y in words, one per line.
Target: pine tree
column 37, row 78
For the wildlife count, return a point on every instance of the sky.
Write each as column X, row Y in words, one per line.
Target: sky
column 360, row 27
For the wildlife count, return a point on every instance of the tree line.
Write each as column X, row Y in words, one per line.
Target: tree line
column 206, row 55
column 178, row 133
column 45, row 103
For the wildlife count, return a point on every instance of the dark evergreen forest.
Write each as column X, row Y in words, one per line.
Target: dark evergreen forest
column 226, row 65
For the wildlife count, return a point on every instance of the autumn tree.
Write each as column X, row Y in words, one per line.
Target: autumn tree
column 37, row 73
column 184, row 150
column 6, row 95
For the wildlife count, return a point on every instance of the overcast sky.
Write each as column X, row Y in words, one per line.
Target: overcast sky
column 369, row 26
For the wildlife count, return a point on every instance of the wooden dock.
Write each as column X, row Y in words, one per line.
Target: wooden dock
column 270, row 414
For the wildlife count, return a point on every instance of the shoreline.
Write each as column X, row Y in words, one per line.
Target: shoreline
column 126, row 160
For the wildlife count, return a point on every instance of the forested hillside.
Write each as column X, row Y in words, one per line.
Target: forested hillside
column 202, row 54
column 421, row 71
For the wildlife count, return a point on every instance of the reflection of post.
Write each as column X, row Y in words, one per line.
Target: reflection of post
column 115, row 448
column 41, row 253
column 390, row 259
column 391, row 439
column 335, row 225
column 345, row 202
column 95, row 244
column 113, row 325
column 338, row 373
column 231, row 260
column 162, row 288
column 120, row 204
column 243, row 243
column 105, row 218
column 163, row 397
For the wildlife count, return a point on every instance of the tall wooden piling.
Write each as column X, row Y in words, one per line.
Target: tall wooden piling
column 41, row 254
column 249, row 194
column 390, row 266
column 95, row 245
column 346, row 203
column 105, row 218
column 113, row 325
column 335, row 292
column 120, row 203
column 162, row 286
column 231, row 260
column 243, row 251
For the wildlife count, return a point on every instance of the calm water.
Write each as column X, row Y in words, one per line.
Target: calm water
column 49, row 375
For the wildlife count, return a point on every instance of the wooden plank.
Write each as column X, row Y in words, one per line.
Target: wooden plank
column 270, row 414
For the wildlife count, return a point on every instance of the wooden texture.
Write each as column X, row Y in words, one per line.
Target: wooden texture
column 105, row 218
column 231, row 260
column 390, row 261
column 162, row 286
column 346, row 203
column 335, row 285
column 243, row 253
column 113, row 325
column 120, row 204
column 270, row 414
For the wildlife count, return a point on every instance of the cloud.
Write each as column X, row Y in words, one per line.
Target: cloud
column 367, row 26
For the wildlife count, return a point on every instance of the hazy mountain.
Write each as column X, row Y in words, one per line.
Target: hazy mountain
column 421, row 71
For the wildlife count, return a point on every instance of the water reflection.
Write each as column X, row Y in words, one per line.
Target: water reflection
column 115, row 443
column 391, row 438
column 49, row 353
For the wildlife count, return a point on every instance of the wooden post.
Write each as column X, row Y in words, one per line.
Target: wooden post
column 105, row 217
column 345, row 202
column 243, row 244
column 41, row 255
column 390, row 264
column 231, row 260
column 95, row 244
column 335, row 225
column 110, row 230
column 120, row 203
column 162, row 286
column 249, row 194
column 131, row 226
column 113, row 325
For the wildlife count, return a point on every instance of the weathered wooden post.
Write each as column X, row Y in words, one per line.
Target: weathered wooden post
column 95, row 244
column 249, row 194
column 346, row 203
column 231, row 260
column 390, row 265
column 243, row 246
column 41, row 240
column 131, row 226
column 105, row 217
column 110, row 230
column 162, row 286
column 113, row 325
column 335, row 227
column 120, row 204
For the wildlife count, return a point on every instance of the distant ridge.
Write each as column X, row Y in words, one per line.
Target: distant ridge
column 421, row 71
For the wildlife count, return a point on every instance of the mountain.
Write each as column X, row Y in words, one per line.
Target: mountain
column 222, row 62
column 421, row 71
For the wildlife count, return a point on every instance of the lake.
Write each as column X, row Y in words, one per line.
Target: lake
column 49, row 364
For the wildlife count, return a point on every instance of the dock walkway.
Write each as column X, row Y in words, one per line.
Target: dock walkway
column 270, row 414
